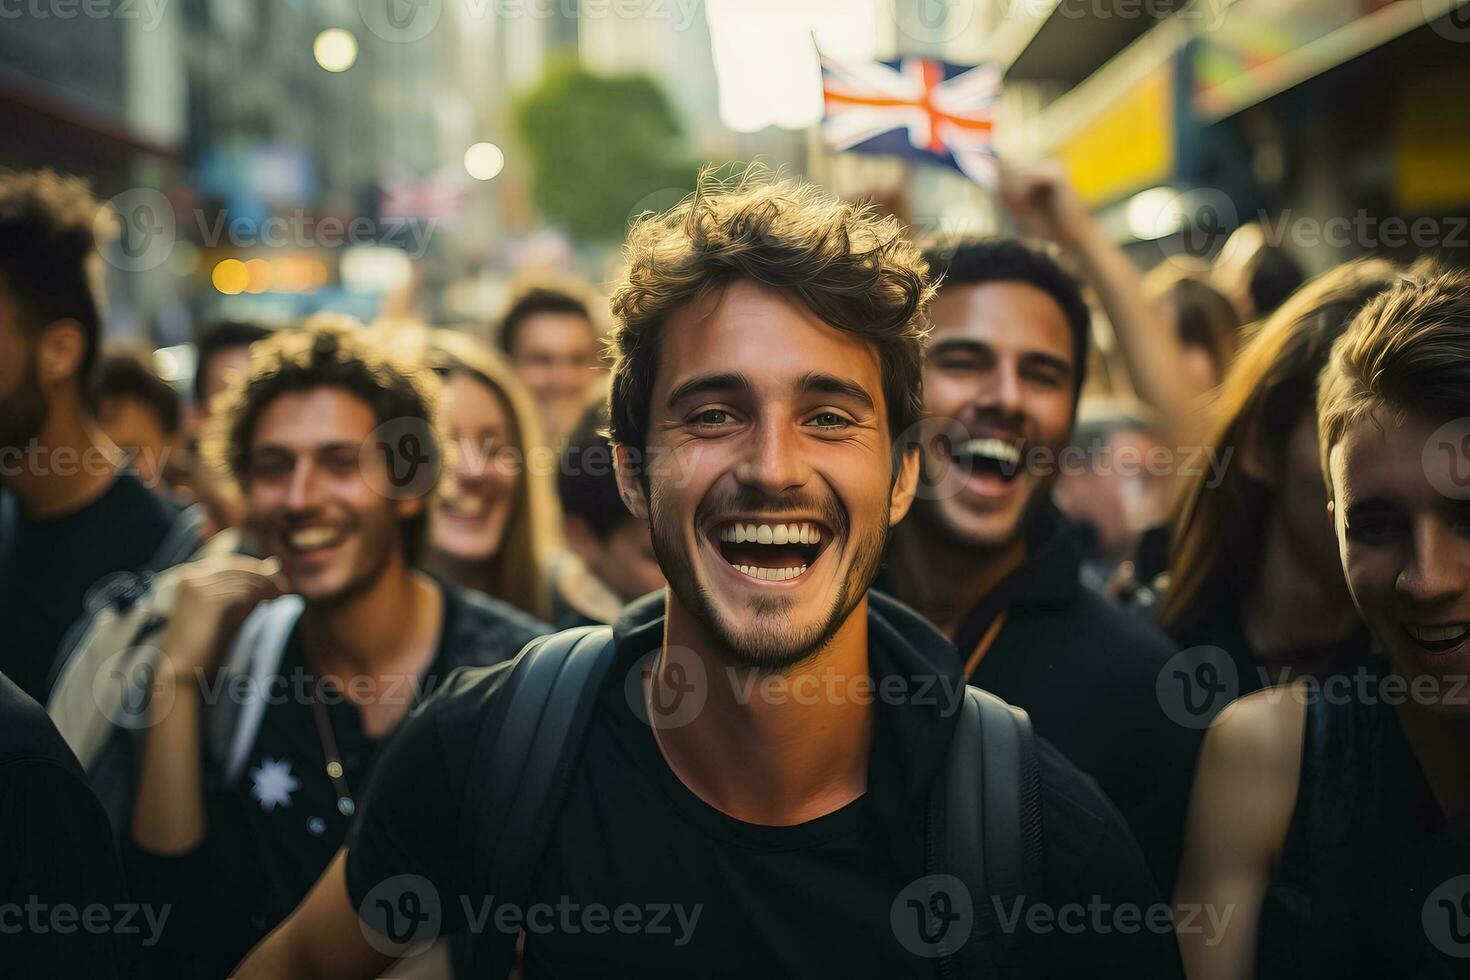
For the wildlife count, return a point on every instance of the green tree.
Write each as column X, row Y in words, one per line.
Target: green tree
column 601, row 146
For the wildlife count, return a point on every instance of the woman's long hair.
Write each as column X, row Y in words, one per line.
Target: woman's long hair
column 1218, row 530
column 520, row 570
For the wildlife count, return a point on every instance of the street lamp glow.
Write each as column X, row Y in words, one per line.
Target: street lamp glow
column 484, row 161
column 335, row 49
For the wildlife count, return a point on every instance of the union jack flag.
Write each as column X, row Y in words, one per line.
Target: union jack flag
column 913, row 107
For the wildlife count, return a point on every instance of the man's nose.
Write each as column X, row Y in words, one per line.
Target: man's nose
column 1438, row 571
column 303, row 490
column 775, row 462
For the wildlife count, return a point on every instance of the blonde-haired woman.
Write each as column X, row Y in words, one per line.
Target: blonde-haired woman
column 494, row 524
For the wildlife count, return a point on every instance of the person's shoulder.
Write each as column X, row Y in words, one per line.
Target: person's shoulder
column 488, row 630
column 1075, row 810
column 1259, row 736
column 28, row 739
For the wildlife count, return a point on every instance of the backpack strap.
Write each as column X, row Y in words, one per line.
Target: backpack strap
column 525, row 767
column 255, row 657
column 992, row 831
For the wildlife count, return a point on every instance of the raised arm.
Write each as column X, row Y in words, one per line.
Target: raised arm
column 1045, row 203
column 322, row 939
column 1244, row 794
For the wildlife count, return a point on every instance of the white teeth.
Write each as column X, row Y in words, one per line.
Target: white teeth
column 771, row 533
column 992, row 448
column 771, row 574
column 1436, row 634
column 312, row 537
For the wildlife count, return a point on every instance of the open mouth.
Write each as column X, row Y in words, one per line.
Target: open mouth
column 990, row 456
column 1436, row 640
column 771, row 552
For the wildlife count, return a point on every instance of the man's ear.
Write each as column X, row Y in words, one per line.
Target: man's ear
column 627, row 465
column 60, row 350
column 905, row 485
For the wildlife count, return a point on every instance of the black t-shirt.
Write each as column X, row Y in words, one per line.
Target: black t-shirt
column 274, row 829
column 642, row 878
column 47, row 566
column 1089, row 676
column 59, row 868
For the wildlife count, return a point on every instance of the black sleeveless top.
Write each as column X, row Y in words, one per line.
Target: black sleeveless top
column 1366, row 850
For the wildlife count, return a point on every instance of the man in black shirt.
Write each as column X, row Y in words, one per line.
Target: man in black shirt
column 233, row 831
column 986, row 557
column 760, row 822
column 60, row 859
column 68, row 517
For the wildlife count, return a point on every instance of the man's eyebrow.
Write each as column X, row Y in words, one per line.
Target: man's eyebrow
column 816, row 382
column 1059, row 364
column 956, row 345
column 705, row 384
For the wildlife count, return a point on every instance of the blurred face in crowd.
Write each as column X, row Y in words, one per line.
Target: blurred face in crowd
column 773, row 532
column 22, row 402
column 556, row 357
column 470, row 513
column 140, row 433
column 310, row 495
column 1120, row 498
column 220, row 370
column 1406, row 547
column 999, row 378
column 622, row 558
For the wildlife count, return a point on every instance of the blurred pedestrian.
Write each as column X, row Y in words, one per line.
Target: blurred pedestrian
column 68, row 515
column 1257, row 275
column 281, row 680
column 492, row 522
column 1207, row 325
column 554, row 345
column 611, row 560
column 143, row 415
column 1252, row 567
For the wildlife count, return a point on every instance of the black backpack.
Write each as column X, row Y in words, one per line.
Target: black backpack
column 982, row 824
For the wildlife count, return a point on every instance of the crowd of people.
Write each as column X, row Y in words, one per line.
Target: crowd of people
column 846, row 608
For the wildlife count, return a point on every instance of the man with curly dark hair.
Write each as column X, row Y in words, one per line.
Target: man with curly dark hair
column 755, row 794
column 68, row 517
column 334, row 445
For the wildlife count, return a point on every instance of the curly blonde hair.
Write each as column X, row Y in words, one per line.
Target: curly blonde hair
column 855, row 270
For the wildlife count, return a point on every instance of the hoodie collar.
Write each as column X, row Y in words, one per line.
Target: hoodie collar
column 917, row 685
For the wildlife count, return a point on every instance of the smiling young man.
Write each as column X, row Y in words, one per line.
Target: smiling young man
column 986, row 556
column 772, row 336
column 312, row 686
column 1335, row 815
